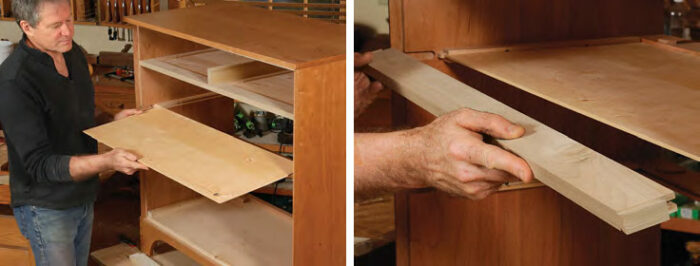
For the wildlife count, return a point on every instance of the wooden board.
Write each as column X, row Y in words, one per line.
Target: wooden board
column 283, row 40
column 274, row 92
column 615, row 194
column 244, row 231
column 117, row 255
column 210, row 162
column 648, row 92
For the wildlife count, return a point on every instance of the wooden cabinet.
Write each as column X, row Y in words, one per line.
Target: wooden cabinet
column 193, row 63
column 538, row 226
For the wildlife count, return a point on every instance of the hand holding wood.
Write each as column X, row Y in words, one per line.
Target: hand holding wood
column 450, row 154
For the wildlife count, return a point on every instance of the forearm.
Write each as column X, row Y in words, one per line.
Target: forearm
column 84, row 167
column 384, row 163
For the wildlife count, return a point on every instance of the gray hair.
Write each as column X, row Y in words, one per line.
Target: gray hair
column 28, row 10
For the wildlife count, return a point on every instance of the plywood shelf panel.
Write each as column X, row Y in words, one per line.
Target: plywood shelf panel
column 273, row 92
column 283, row 40
column 612, row 192
column 644, row 90
column 244, row 231
column 203, row 159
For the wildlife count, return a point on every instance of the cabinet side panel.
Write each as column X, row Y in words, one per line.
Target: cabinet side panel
column 438, row 25
column 319, row 165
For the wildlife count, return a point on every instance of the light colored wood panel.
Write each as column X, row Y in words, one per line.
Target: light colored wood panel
column 117, row 255
column 282, row 40
column 210, row 162
column 219, row 66
column 648, row 92
column 15, row 257
column 236, row 72
column 244, row 231
column 253, row 91
column 617, row 195
column 429, row 26
column 174, row 258
column 319, row 165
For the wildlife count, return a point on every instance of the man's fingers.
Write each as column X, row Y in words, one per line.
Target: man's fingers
column 362, row 59
column 136, row 165
column 493, row 157
column 376, row 87
column 361, row 82
column 487, row 123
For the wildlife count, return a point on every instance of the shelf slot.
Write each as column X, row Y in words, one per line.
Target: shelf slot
column 208, row 161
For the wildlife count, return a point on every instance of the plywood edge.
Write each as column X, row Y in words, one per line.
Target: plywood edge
column 230, row 90
column 188, row 100
column 542, row 45
column 447, row 53
column 543, row 147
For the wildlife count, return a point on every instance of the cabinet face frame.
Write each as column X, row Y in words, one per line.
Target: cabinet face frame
column 319, row 149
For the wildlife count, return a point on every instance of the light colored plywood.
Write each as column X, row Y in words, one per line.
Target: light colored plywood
column 210, row 162
column 283, row 40
column 244, row 231
column 274, row 92
column 117, row 255
column 648, row 92
column 174, row 258
column 615, row 194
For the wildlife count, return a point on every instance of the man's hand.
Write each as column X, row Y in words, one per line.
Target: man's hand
column 124, row 161
column 126, row 113
column 83, row 167
column 365, row 90
column 448, row 154
column 451, row 155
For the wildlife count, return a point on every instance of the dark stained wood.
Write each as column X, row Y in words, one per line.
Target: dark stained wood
column 520, row 227
column 438, row 25
column 319, row 165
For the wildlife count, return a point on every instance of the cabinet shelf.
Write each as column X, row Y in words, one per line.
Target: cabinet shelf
column 233, row 76
column 244, row 231
column 682, row 225
column 632, row 86
column 208, row 161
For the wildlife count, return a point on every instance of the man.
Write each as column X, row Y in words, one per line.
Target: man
column 448, row 154
column 46, row 101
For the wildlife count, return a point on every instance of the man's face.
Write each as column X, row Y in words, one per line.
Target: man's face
column 54, row 31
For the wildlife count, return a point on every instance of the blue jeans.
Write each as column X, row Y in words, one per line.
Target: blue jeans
column 58, row 237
